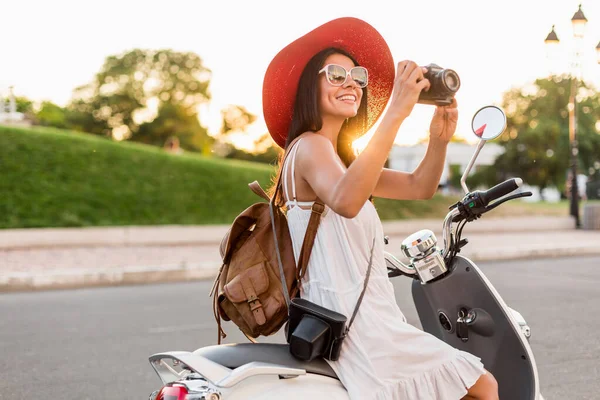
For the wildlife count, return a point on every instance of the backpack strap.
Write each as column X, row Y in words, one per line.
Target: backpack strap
column 220, row 332
column 259, row 191
column 309, row 238
column 279, row 185
column 256, row 188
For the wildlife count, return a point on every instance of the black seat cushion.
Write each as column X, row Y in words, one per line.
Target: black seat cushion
column 236, row 355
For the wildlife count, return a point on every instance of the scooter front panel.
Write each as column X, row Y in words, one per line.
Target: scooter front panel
column 492, row 335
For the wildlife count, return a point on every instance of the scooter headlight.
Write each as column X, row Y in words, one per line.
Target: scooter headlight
column 425, row 257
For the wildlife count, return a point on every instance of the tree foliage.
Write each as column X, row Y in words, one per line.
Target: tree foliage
column 24, row 105
column 175, row 120
column 51, row 114
column 536, row 140
column 236, row 119
column 133, row 89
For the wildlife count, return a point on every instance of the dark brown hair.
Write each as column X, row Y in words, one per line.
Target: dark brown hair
column 307, row 117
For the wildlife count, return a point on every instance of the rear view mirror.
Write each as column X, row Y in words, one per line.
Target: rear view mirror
column 489, row 123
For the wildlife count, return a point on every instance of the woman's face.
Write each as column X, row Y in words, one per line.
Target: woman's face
column 339, row 101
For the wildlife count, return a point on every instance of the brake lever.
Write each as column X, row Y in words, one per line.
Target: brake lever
column 512, row 197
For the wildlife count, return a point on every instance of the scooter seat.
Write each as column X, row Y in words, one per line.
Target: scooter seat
column 236, row 355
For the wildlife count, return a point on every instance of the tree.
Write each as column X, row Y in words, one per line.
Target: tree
column 179, row 121
column 24, row 105
column 536, row 140
column 235, row 119
column 134, row 88
column 51, row 114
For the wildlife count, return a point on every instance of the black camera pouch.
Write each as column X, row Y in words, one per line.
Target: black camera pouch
column 314, row 331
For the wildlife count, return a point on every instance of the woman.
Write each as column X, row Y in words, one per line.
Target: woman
column 316, row 89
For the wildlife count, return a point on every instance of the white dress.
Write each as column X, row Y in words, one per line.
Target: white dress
column 383, row 356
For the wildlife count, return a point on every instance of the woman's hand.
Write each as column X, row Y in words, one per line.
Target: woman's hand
column 443, row 123
column 408, row 85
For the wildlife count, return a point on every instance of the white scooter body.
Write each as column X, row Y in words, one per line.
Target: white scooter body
column 205, row 372
column 459, row 306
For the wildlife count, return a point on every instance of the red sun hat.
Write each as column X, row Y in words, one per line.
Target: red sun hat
column 353, row 35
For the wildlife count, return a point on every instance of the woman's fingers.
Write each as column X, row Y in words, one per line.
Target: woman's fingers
column 409, row 71
column 409, row 77
column 408, row 85
column 423, row 84
column 409, row 67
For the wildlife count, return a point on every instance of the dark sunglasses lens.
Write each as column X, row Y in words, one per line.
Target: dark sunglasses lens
column 360, row 76
column 336, row 75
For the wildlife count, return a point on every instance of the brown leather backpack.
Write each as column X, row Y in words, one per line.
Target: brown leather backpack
column 255, row 282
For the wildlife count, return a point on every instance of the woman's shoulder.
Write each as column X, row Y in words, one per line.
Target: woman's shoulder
column 312, row 148
column 313, row 142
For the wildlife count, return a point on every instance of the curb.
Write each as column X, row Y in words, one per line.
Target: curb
column 167, row 235
column 135, row 275
column 132, row 275
column 176, row 235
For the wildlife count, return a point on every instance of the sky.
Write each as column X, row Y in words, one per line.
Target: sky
column 51, row 47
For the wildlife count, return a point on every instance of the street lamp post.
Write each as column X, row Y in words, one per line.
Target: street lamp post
column 578, row 21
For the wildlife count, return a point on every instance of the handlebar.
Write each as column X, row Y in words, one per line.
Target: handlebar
column 500, row 190
column 476, row 203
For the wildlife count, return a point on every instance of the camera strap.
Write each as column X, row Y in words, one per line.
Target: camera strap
column 362, row 294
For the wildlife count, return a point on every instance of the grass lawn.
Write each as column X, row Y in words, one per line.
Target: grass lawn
column 55, row 178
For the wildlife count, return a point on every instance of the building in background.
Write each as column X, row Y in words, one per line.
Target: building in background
column 407, row 158
column 8, row 111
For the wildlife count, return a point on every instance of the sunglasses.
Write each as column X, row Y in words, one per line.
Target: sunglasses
column 338, row 75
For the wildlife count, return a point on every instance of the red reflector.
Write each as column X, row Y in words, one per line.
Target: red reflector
column 172, row 393
column 479, row 132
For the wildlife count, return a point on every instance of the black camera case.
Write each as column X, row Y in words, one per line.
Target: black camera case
column 314, row 331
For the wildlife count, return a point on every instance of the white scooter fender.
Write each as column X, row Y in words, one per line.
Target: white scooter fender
column 192, row 376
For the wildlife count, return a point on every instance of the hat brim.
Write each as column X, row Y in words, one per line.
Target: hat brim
column 352, row 35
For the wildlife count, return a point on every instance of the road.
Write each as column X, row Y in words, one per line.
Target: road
column 94, row 343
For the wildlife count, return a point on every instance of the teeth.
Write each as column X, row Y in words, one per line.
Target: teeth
column 348, row 97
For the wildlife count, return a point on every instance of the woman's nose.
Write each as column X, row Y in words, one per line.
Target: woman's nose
column 350, row 82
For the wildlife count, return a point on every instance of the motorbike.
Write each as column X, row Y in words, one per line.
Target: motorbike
column 454, row 301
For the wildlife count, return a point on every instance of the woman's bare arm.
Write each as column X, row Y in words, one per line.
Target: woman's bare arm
column 420, row 184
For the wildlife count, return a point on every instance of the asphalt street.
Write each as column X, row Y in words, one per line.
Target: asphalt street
column 94, row 343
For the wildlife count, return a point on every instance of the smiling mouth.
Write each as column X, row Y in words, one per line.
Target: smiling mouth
column 347, row 98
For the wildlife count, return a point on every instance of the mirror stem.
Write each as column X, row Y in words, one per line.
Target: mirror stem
column 466, row 173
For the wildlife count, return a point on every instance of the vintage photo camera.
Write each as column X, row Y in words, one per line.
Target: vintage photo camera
column 444, row 85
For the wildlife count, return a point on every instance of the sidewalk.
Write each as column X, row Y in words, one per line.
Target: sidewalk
column 33, row 259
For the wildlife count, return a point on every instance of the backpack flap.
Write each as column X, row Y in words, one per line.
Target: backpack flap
column 246, row 288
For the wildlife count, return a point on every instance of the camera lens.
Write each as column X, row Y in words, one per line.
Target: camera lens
column 451, row 80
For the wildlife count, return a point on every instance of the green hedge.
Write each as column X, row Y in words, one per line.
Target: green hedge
column 53, row 178
column 56, row 178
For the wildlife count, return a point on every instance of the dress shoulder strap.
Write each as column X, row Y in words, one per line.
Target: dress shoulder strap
column 284, row 171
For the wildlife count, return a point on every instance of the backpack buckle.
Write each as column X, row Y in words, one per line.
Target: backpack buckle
column 318, row 208
column 254, row 302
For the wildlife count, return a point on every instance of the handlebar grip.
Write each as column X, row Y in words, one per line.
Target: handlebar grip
column 501, row 189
